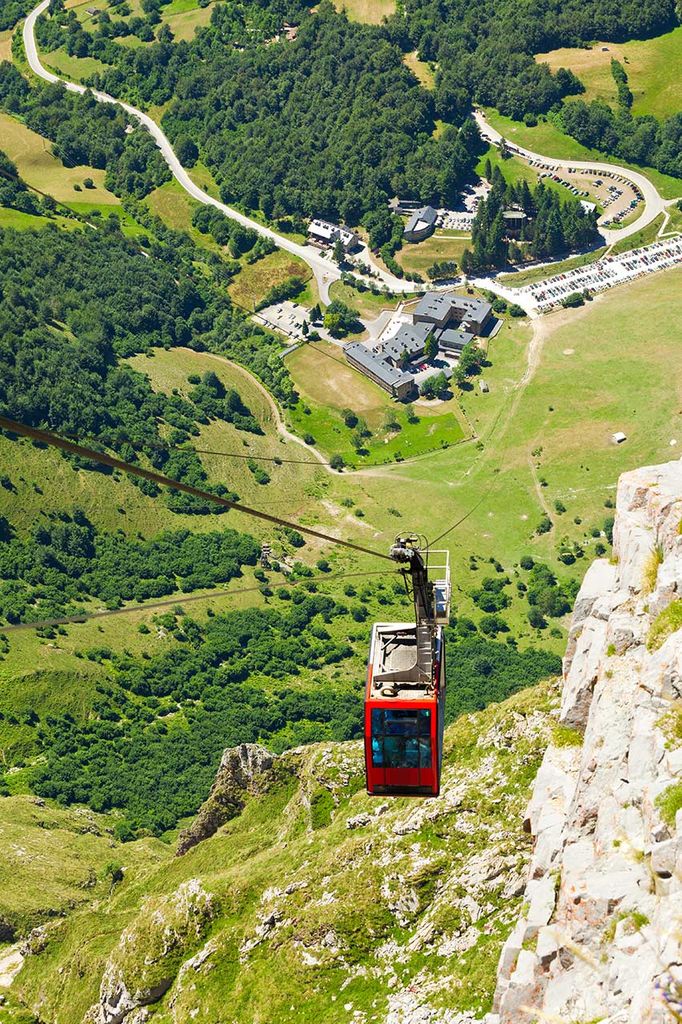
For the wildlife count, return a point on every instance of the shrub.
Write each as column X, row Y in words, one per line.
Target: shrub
column 544, row 526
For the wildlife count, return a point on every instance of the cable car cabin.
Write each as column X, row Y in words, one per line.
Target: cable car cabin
column 404, row 714
column 405, row 693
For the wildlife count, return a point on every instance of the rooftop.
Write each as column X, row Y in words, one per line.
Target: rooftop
column 410, row 338
column 372, row 362
column 453, row 337
column 424, row 217
column 440, row 305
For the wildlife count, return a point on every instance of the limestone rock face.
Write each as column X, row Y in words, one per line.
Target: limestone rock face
column 150, row 953
column 601, row 932
column 244, row 771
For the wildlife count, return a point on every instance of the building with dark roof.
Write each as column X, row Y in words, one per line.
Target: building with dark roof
column 322, row 232
column 452, row 339
column 372, row 365
column 514, row 221
column 444, row 309
column 409, row 342
column 420, row 224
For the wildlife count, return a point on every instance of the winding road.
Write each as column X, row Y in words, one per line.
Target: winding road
column 325, row 270
column 654, row 204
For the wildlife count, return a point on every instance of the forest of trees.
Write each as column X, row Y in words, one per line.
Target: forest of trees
column 160, row 723
column 640, row 140
column 333, row 123
column 485, row 49
column 67, row 560
column 330, row 125
column 555, row 225
column 84, row 131
column 113, row 302
column 11, row 11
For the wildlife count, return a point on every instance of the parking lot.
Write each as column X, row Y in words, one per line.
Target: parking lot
column 605, row 273
column 615, row 195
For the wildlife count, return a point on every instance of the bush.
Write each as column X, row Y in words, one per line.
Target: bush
column 544, row 526
column 516, row 310
column 573, row 300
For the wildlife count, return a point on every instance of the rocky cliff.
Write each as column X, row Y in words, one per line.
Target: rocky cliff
column 600, row 936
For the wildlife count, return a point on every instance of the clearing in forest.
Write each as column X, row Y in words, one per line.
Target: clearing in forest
column 652, row 67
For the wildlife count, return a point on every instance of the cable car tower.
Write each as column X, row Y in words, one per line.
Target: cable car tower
column 405, row 692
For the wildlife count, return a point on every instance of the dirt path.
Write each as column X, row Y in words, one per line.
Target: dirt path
column 538, row 488
column 277, row 417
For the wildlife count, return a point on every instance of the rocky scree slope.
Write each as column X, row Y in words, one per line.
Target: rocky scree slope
column 600, row 936
column 300, row 899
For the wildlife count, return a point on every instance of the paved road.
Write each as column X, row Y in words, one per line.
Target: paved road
column 325, row 271
column 654, row 204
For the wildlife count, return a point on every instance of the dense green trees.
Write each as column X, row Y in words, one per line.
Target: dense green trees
column 67, row 561
column 72, row 304
column 481, row 670
column 341, row 319
column 130, row 755
column 484, row 50
column 642, row 140
column 554, row 225
column 11, row 11
column 86, row 132
column 330, row 124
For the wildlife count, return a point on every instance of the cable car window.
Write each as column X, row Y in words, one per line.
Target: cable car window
column 401, row 738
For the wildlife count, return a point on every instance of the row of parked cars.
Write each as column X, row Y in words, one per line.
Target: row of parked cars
column 567, row 184
column 606, row 272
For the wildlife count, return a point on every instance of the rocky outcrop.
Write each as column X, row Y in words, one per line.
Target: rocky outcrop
column 244, row 771
column 150, row 953
column 600, row 937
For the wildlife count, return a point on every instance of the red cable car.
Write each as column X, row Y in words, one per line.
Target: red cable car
column 405, row 693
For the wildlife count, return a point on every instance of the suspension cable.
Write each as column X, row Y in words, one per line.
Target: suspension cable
column 55, row 441
column 182, row 599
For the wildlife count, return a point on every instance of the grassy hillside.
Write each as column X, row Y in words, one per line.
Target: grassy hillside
column 290, row 907
column 328, row 386
column 38, row 167
column 650, row 64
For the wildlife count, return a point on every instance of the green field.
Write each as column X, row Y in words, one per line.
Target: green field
column 644, row 236
column 417, row 257
column 651, row 65
column 184, row 17
column 36, row 164
column 327, row 385
column 77, row 69
column 371, row 12
column 520, row 278
column 6, row 44
column 20, row 221
column 421, row 69
column 548, row 140
column 201, row 176
column 367, row 303
column 255, row 279
column 174, row 206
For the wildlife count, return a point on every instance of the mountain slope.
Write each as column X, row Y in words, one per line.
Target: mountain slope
column 314, row 902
